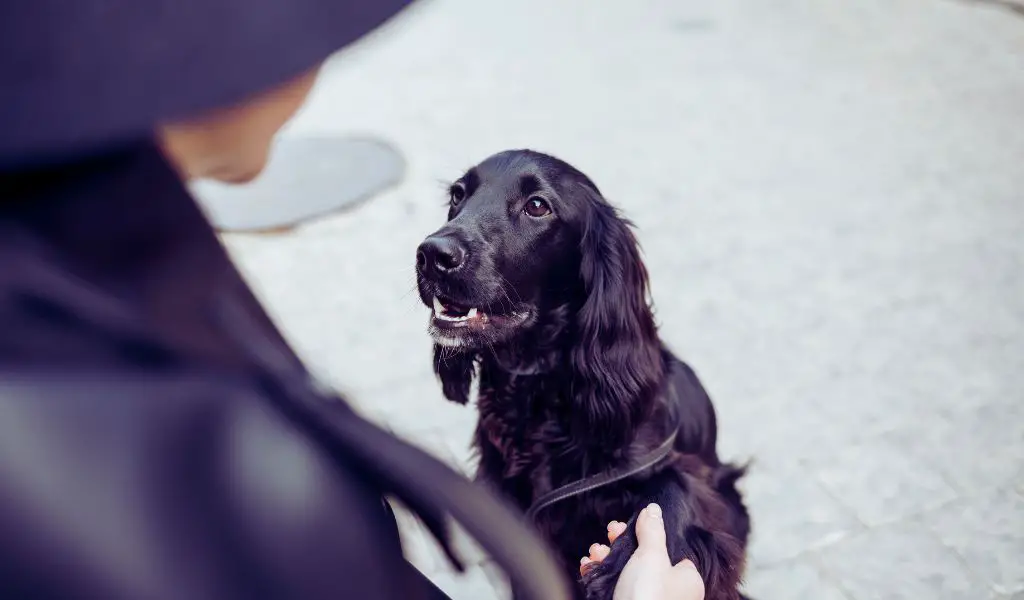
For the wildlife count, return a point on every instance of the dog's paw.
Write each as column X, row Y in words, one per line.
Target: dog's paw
column 599, row 583
column 600, row 579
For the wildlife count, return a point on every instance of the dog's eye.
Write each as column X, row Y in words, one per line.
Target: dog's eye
column 457, row 193
column 537, row 207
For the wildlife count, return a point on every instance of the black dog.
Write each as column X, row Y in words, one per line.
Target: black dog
column 538, row 289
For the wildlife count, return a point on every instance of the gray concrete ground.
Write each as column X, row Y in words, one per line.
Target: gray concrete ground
column 831, row 200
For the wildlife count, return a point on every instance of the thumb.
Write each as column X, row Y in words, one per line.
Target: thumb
column 686, row 566
column 650, row 530
column 686, row 577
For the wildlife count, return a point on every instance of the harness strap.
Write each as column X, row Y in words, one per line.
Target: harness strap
column 602, row 479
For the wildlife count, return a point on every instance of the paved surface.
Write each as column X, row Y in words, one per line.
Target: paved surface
column 831, row 200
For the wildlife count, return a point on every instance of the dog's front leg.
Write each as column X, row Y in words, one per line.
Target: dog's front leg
column 600, row 580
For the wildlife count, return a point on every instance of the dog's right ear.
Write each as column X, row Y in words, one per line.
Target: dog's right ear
column 455, row 370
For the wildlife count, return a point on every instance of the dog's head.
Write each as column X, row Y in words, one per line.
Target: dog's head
column 507, row 251
column 528, row 234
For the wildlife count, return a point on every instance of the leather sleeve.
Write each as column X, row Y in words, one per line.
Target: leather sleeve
column 178, row 487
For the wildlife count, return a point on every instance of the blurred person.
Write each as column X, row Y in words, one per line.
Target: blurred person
column 158, row 437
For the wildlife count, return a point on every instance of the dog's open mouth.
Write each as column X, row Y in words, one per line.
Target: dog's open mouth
column 460, row 324
column 451, row 313
column 456, row 313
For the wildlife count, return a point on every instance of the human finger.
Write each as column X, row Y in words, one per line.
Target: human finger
column 615, row 529
column 599, row 552
column 650, row 530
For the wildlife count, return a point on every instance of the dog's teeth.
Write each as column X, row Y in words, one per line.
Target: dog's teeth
column 438, row 307
column 471, row 314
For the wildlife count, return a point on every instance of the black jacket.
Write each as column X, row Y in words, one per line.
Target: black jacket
column 158, row 438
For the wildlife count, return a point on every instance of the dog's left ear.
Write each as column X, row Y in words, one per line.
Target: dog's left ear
column 455, row 371
column 617, row 360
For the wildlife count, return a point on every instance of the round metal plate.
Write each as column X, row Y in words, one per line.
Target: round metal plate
column 306, row 177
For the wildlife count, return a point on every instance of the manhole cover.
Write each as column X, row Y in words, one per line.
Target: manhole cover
column 306, row 177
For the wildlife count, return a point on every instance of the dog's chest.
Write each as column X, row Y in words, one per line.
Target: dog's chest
column 520, row 425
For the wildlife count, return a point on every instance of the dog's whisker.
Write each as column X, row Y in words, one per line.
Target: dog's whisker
column 508, row 286
column 505, row 289
column 494, row 353
column 407, row 293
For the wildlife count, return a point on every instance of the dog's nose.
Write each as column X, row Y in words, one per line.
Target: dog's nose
column 440, row 253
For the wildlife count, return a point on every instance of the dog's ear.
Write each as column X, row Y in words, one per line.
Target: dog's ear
column 455, row 371
column 616, row 360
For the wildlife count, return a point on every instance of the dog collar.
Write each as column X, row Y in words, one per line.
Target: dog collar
column 600, row 480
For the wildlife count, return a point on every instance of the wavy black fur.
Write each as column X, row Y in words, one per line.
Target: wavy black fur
column 573, row 378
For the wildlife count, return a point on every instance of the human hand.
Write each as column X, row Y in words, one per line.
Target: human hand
column 649, row 574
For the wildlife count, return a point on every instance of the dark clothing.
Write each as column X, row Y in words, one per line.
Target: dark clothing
column 80, row 75
column 158, row 438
